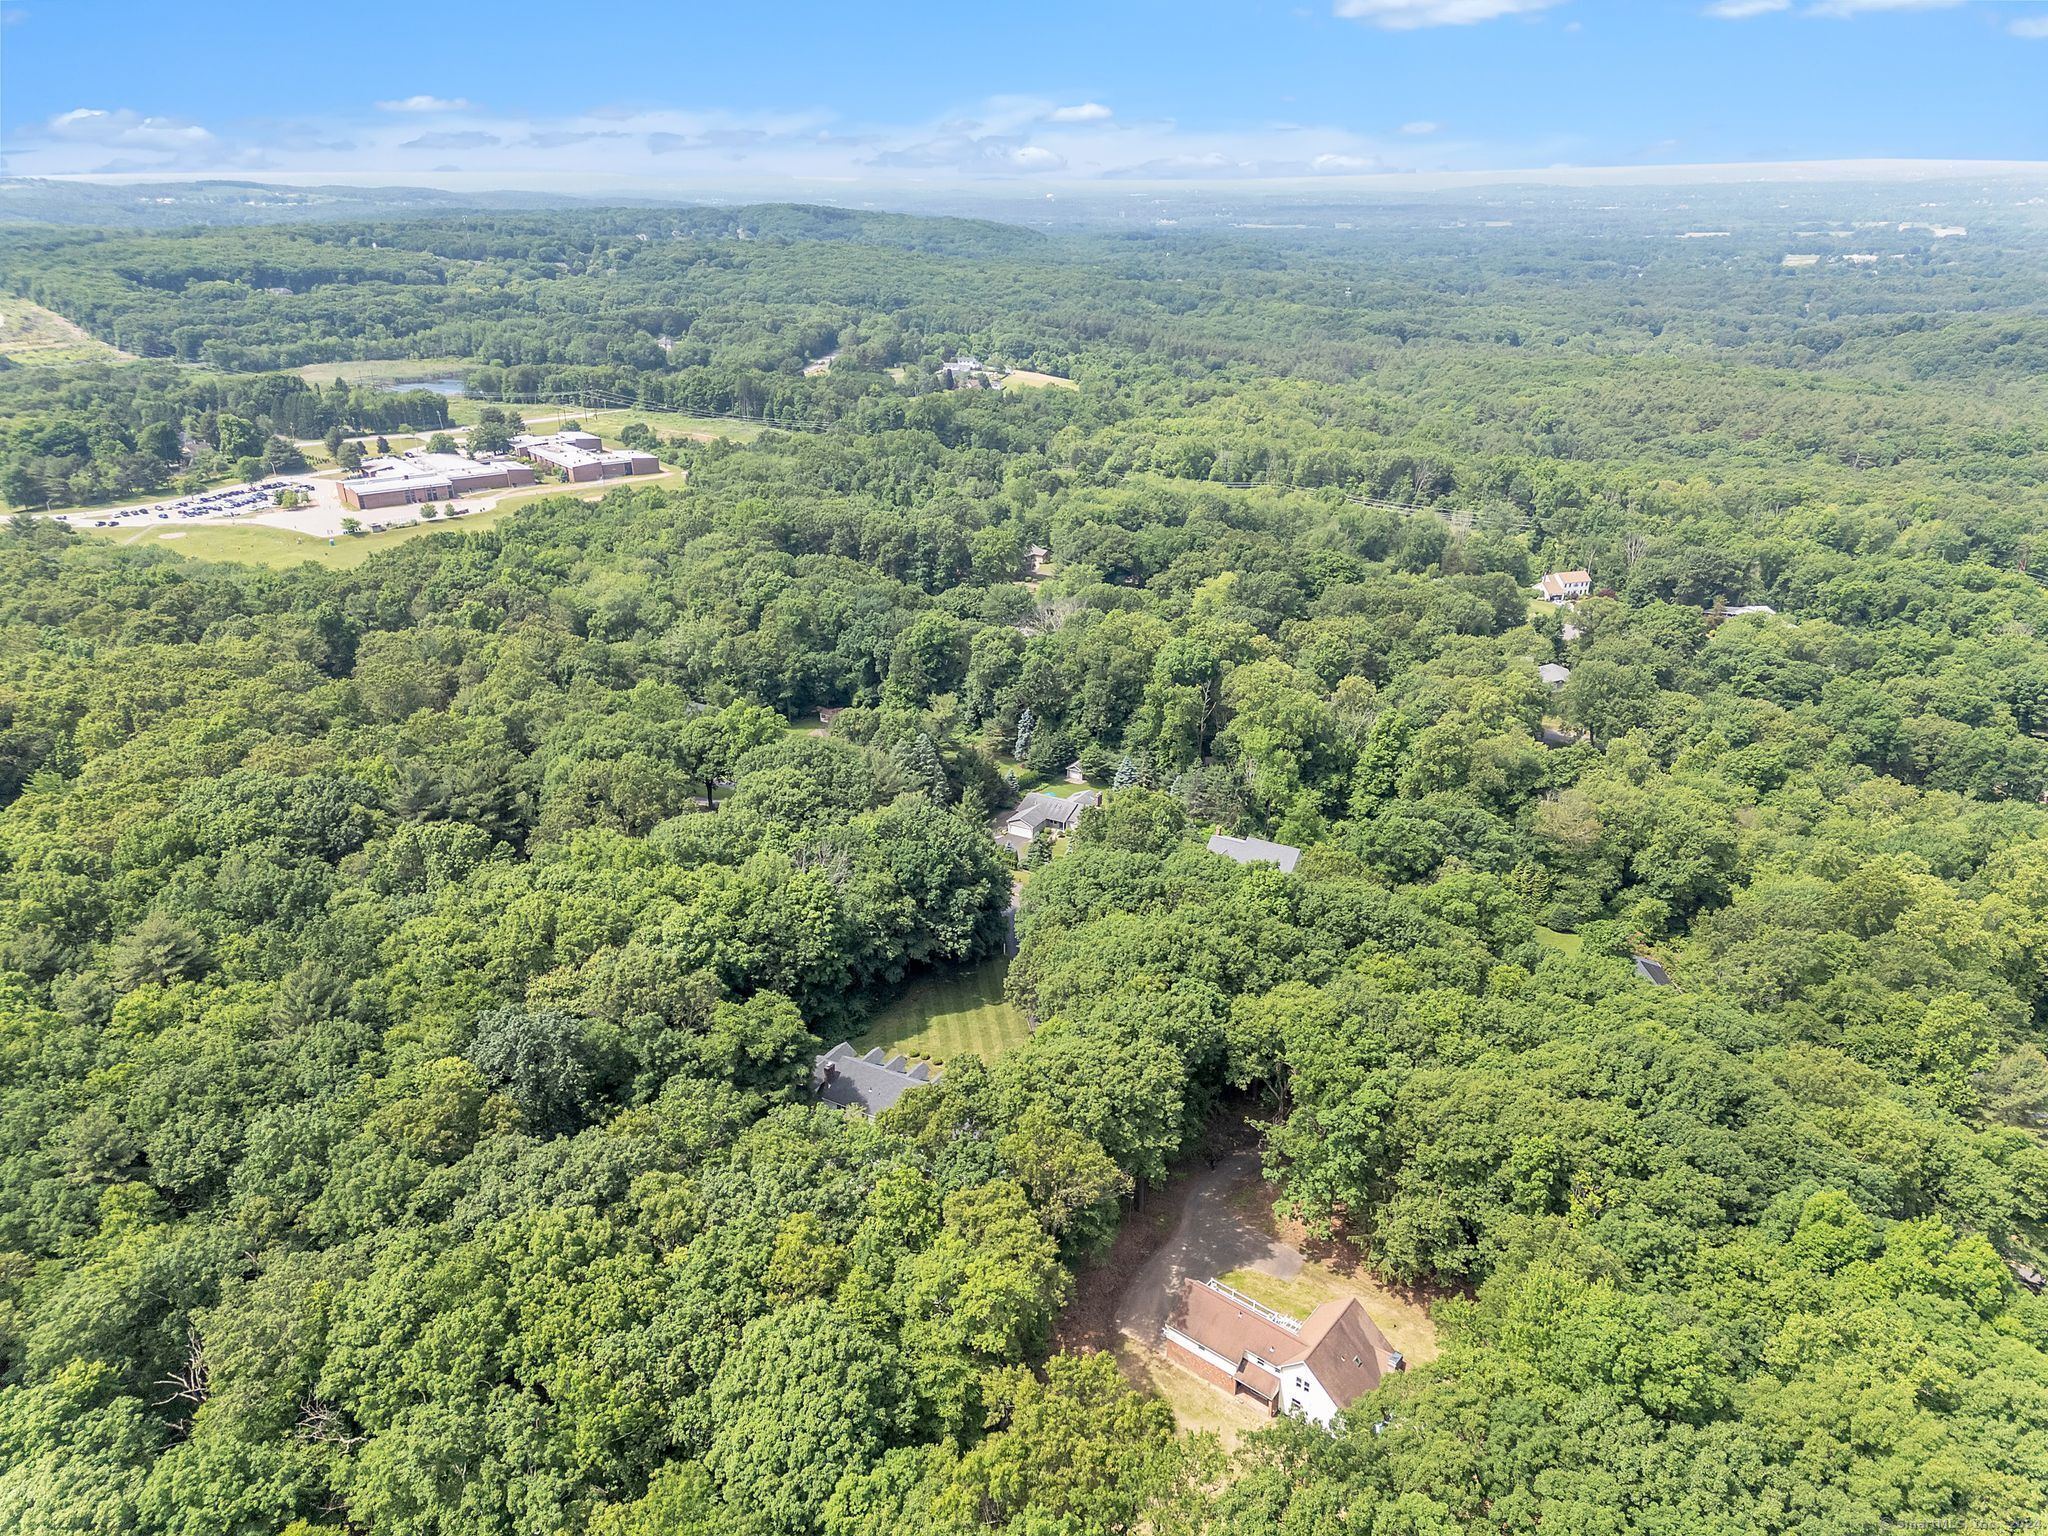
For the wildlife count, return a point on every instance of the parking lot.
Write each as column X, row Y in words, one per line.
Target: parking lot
column 320, row 511
column 229, row 501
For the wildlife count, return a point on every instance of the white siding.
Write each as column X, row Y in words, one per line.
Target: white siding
column 1302, row 1393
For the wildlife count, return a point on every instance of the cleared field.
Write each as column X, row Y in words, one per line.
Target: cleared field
column 278, row 548
column 393, row 370
column 1024, row 378
column 945, row 1016
column 38, row 338
column 607, row 423
column 1563, row 943
column 1030, row 781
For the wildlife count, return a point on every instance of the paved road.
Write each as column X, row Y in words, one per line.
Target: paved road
column 1210, row 1239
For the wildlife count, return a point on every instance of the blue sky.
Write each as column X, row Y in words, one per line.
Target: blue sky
column 924, row 94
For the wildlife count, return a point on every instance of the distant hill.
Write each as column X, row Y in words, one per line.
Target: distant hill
column 157, row 205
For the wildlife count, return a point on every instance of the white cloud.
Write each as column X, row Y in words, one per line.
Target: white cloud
column 127, row 130
column 120, row 141
column 968, row 148
column 1012, row 139
column 1842, row 10
column 1419, row 129
column 424, row 104
column 2030, row 27
column 473, row 139
column 1085, row 112
column 1407, row 15
column 1742, row 10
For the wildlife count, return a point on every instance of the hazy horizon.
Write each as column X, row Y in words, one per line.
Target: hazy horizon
column 1221, row 93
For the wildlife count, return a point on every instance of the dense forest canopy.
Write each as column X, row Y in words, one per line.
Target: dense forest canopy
column 410, row 975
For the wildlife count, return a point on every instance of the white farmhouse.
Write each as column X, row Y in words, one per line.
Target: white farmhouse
column 1317, row 1368
column 1565, row 586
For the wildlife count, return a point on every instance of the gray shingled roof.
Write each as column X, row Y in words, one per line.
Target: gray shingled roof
column 872, row 1082
column 1256, row 850
column 1060, row 811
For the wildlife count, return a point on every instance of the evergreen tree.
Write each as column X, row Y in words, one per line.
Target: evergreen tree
column 918, row 757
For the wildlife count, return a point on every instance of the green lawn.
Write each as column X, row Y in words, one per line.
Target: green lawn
column 949, row 1015
column 395, row 371
column 281, row 548
column 1029, row 781
column 1404, row 1319
column 1563, row 943
column 549, row 418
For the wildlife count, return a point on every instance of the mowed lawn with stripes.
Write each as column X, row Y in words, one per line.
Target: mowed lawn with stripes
column 950, row 1014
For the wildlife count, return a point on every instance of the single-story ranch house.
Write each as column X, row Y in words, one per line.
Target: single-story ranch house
column 1057, row 812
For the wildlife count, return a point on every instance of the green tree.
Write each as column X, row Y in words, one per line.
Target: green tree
column 542, row 1061
column 807, row 1398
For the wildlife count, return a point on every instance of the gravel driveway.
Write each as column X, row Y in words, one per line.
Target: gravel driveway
column 1212, row 1238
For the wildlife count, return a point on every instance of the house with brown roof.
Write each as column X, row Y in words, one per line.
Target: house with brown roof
column 1316, row 1368
column 1565, row 586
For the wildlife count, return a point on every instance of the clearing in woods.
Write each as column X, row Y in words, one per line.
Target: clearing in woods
column 1219, row 1224
column 38, row 338
column 1024, row 378
column 951, row 1014
column 282, row 548
column 394, row 372
column 247, row 543
column 606, row 423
